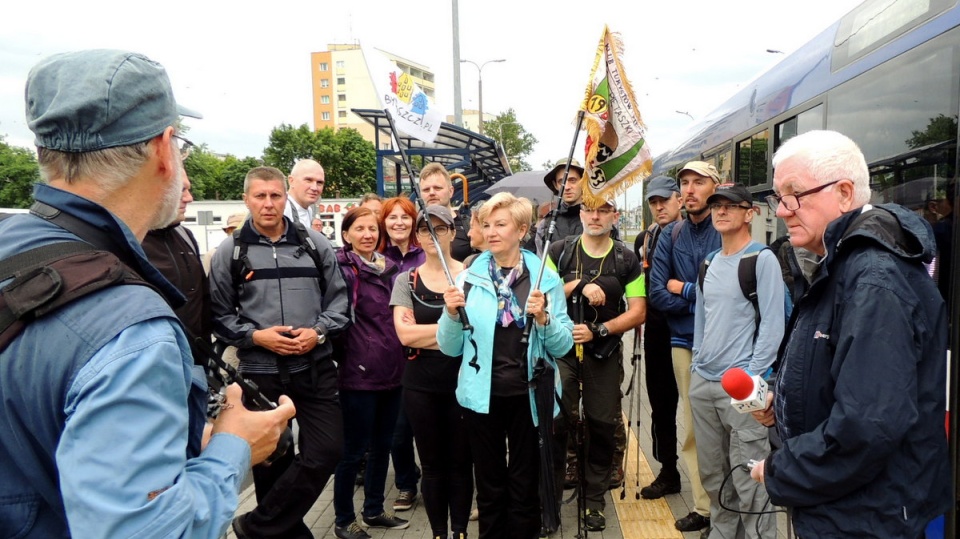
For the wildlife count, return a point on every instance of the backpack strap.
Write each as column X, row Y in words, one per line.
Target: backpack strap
column 675, row 231
column 307, row 243
column 51, row 276
column 702, row 274
column 241, row 270
column 747, row 275
column 569, row 249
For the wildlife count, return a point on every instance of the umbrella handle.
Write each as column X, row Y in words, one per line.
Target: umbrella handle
column 465, row 184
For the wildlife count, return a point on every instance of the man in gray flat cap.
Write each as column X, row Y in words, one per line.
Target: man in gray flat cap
column 103, row 409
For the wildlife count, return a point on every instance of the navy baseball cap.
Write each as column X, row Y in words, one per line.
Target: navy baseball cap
column 663, row 187
column 96, row 99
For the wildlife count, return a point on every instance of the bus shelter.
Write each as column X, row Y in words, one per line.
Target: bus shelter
column 479, row 158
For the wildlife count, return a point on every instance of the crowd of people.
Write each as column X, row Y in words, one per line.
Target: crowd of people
column 440, row 329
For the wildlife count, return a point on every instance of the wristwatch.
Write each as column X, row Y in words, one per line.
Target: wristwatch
column 321, row 336
column 602, row 330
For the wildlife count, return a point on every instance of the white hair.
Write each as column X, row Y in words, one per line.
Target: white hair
column 829, row 156
column 110, row 167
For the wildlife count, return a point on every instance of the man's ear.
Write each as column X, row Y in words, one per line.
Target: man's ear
column 167, row 162
column 844, row 191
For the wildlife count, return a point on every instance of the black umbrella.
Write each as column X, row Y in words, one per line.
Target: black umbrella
column 528, row 184
column 545, row 395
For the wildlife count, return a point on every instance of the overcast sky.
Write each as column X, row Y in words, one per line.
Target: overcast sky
column 246, row 66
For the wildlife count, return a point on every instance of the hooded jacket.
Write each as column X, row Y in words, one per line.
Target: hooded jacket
column 373, row 357
column 551, row 341
column 860, row 396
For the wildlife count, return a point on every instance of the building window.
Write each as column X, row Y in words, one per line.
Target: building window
column 325, row 99
column 341, row 80
column 342, row 114
column 340, row 64
column 324, row 83
column 324, row 66
column 325, row 116
column 341, row 97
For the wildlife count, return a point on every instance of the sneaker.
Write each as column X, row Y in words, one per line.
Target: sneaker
column 353, row 531
column 616, row 478
column 692, row 522
column 386, row 520
column 594, row 520
column 668, row 482
column 404, row 501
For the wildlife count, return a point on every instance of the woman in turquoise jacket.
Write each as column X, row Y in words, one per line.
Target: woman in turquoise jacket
column 493, row 384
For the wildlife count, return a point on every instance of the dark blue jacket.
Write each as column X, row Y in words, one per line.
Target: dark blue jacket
column 860, row 397
column 680, row 260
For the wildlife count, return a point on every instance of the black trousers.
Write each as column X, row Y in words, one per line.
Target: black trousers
column 508, row 497
column 601, row 406
column 661, row 388
column 288, row 489
column 441, row 434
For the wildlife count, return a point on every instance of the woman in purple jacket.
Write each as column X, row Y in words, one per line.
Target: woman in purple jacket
column 370, row 368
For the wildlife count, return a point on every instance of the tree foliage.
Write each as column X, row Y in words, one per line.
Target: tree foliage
column 348, row 160
column 18, row 172
column 214, row 177
column 939, row 129
column 517, row 143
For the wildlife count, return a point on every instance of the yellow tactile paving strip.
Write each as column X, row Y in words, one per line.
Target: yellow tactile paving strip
column 639, row 518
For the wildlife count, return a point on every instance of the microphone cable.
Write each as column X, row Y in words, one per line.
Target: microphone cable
column 762, row 512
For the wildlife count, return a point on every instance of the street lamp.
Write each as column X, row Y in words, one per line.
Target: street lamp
column 480, row 84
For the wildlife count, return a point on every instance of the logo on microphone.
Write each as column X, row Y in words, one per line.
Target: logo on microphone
column 820, row 335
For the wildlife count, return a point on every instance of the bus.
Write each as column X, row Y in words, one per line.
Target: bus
column 887, row 74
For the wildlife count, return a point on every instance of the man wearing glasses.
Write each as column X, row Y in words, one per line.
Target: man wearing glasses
column 727, row 335
column 860, row 397
column 101, row 434
column 598, row 272
column 306, row 183
column 676, row 262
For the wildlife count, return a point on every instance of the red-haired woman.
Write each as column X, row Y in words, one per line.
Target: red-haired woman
column 399, row 240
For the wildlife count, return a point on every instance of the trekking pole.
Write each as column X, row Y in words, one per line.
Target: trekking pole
column 637, row 350
column 553, row 224
column 632, row 393
column 415, row 189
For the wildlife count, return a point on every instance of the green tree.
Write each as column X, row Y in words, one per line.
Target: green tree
column 204, row 169
column 939, row 129
column 517, row 143
column 18, row 172
column 232, row 175
column 348, row 160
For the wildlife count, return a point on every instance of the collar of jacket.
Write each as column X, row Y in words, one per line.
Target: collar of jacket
column 249, row 234
column 107, row 223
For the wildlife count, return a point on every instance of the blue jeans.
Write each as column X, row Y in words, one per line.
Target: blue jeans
column 369, row 418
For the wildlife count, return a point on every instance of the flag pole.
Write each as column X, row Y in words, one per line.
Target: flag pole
column 415, row 189
column 553, row 223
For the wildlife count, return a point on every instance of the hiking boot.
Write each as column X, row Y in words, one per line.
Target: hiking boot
column 616, row 478
column 387, row 521
column 571, row 478
column 353, row 531
column 668, row 482
column 692, row 522
column 594, row 520
column 404, row 501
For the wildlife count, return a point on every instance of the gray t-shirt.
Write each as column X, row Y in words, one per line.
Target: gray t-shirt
column 724, row 324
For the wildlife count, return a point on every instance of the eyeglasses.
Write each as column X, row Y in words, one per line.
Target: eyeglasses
column 727, row 206
column 185, row 146
column 792, row 202
column 606, row 210
column 439, row 229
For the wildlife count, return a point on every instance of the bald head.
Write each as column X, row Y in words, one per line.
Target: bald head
column 306, row 182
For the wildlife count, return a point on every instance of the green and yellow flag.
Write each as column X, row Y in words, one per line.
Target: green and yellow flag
column 617, row 155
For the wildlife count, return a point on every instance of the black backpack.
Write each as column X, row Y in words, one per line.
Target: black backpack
column 241, row 269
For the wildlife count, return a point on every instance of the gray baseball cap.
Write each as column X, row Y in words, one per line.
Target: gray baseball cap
column 95, row 99
column 662, row 186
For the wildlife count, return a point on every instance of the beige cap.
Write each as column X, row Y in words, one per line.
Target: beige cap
column 702, row 168
column 235, row 221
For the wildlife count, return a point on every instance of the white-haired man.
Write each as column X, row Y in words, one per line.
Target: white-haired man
column 860, row 397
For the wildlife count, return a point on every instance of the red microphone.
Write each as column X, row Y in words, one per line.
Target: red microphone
column 747, row 393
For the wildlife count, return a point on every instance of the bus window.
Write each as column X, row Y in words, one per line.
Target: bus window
column 877, row 22
column 752, row 159
column 808, row 120
column 721, row 159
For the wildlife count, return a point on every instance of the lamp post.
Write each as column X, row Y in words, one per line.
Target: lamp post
column 480, row 84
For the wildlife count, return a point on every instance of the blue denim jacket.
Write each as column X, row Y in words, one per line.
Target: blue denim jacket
column 94, row 415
